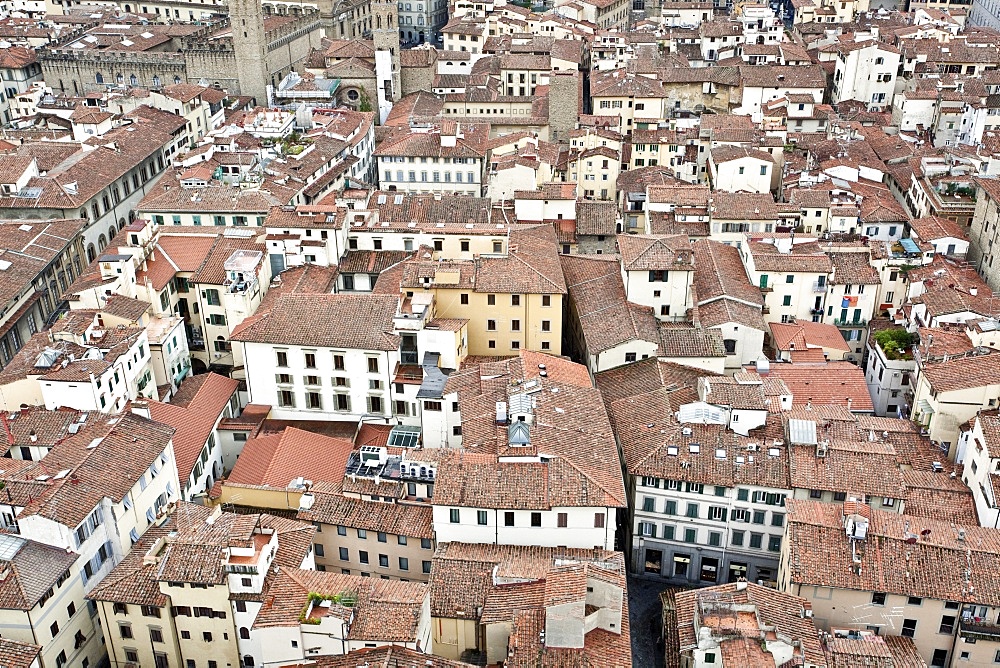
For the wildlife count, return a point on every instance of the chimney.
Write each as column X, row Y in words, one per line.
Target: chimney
column 141, row 408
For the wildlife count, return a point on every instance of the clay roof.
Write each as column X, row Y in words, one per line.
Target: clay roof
column 598, row 294
column 772, row 608
column 802, row 334
column 664, row 450
column 362, row 322
column 195, row 542
column 31, row 571
column 14, row 654
column 962, row 373
column 719, row 272
column 640, row 252
column 195, row 421
column 274, row 460
column 941, row 564
column 825, row 383
column 386, row 611
column 331, row 506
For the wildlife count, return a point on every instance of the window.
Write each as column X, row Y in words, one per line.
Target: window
column 383, row 561
column 156, row 635
column 774, row 543
column 878, row 598
column 947, row 624
column 363, row 556
column 692, row 510
column 562, row 520
column 54, row 629
column 777, row 519
column 382, row 537
column 206, row 636
column 345, row 554
column 372, row 365
column 491, row 300
column 508, row 518
column 714, row 538
column 909, row 628
column 786, row 300
column 125, row 631
column 546, row 300
column 536, row 519
column 756, row 540
column 404, row 564
column 738, row 537
column 401, row 540
column 598, row 520
column 455, row 516
column 282, row 358
column 481, row 517
column 939, row 659
column 690, row 535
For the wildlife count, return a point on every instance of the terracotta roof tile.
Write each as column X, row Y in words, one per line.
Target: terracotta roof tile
column 275, row 460
column 942, row 564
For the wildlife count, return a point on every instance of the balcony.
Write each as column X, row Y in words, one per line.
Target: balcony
column 767, row 288
column 409, row 357
column 850, row 323
column 239, row 287
column 971, row 629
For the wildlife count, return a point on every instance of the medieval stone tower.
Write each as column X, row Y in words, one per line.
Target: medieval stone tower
column 250, row 47
column 385, row 35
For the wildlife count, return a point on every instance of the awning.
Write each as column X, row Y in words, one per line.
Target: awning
column 924, row 407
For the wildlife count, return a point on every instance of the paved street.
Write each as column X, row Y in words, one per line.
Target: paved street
column 644, row 621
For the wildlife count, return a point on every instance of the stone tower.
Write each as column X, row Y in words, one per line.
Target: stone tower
column 246, row 18
column 385, row 35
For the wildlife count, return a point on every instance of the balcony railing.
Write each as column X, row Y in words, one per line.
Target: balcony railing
column 409, row 357
column 979, row 630
column 850, row 323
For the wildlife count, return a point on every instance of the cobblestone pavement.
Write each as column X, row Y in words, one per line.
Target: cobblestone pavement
column 644, row 621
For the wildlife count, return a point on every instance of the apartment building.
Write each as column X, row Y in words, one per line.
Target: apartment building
column 888, row 373
column 511, row 434
column 792, row 277
column 602, row 326
column 978, row 451
column 852, row 298
column 314, row 614
column 40, row 260
column 706, row 504
column 104, row 184
column 946, row 609
column 632, row 99
column 191, row 589
column 658, row 272
column 947, row 393
column 450, row 160
column 453, row 228
column 728, row 302
column 285, row 362
column 43, row 602
column 472, row 585
column 697, row 624
column 195, row 412
column 371, row 527
column 511, row 302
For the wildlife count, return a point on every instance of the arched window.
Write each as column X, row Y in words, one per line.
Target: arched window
column 244, row 633
column 133, row 80
column 99, row 77
column 156, row 81
column 120, row 78
column 177, row 79
column 248, row 660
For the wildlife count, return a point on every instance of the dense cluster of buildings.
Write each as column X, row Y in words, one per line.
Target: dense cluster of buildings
column 410, row 333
